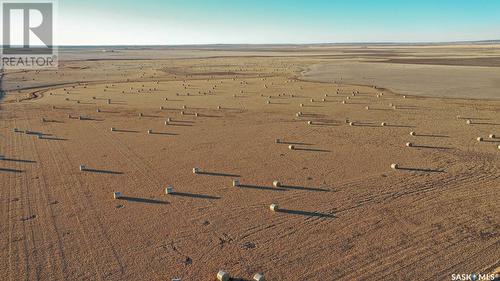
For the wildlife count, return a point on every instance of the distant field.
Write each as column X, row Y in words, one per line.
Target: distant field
column 412, row 77
column 486, row 61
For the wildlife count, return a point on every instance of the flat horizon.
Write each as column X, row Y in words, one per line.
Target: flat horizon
column 486, row 41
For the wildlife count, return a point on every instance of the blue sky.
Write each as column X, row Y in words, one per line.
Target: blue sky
column 108, row 22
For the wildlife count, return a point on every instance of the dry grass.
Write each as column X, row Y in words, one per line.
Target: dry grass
column 344, row 214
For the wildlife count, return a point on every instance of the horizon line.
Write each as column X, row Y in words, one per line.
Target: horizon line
column 487, row 41
column 492, row 41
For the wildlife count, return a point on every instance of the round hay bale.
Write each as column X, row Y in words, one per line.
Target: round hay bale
column 169, row 190
column 223, row 276
column 258, row 277
column 274, row 207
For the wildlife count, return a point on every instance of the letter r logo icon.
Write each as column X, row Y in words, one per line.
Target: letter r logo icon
column 27, row 28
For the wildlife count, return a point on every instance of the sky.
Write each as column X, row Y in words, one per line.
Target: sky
column 179, row 22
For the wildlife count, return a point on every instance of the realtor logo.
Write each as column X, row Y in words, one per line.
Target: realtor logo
column 28, row 34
